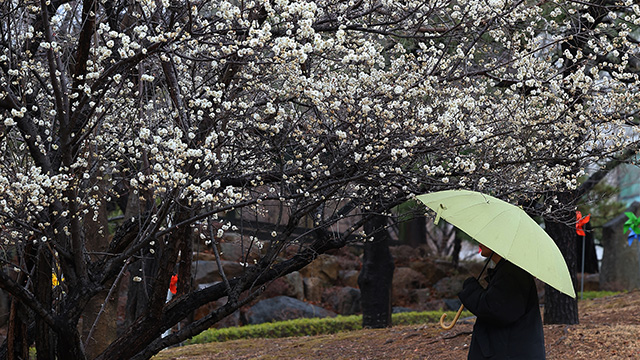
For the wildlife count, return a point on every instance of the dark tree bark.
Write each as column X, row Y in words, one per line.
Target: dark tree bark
column 620, row 261
column 415, row 231
column 99, row 318
column 138, row 292
column 455, row 256
column 590, row 257
column 375, row 280
column 44, row 335
column 17, row 337
column 69, row 345
column 558, row 307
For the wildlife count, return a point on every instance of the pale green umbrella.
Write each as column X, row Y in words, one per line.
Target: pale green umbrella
column 507, row 230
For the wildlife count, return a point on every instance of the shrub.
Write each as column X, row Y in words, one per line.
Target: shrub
column 596, row 294
column 311, row 326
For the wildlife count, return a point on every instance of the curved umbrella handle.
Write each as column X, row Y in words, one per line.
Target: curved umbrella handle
column 449, row 327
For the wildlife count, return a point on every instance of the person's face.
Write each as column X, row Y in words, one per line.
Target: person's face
column 485, row 251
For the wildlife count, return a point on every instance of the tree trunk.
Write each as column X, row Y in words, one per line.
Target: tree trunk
column 106, row 327
column 139, row 291
column 44, row 336
column 457, row 247
column 143, row 268
column 415, row 231
column 620, row 262
column 558, row 307
column 17, row 338
column 105, row 331
column 590, row 256
column 375, row 279
column 69, row 342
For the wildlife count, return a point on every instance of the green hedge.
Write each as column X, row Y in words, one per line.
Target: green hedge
column 318, row 326
column 595, row 294
column 312, row 326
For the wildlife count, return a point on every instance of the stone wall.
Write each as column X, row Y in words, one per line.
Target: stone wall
column 330, row 282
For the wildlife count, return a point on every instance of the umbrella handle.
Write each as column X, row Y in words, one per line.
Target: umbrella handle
column 449, row 327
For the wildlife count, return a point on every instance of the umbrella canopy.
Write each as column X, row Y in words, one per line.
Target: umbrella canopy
column 507, row 230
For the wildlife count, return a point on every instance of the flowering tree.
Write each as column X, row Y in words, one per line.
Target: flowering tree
column 614, row 25
column 312, row 114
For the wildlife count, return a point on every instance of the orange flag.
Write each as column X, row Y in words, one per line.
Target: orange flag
column 173, row 285
column 580, row 222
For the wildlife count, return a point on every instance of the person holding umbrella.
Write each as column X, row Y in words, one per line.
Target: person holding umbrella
column 508, row 325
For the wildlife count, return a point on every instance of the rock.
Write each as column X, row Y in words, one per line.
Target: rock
column 452, row 304
column 400, row 309
column 405, row 280
column 207, row 271
column 232, row 320
column 239, row 251
column 313, row 288
column 402, row 254
column 449, row 287
column 349, row 277
column 205, row 256
column 232, row 247
column 283, row 308
column 343, row 300
column 231, row 251
column 434, row 305
column 294, row 279
column 591, row 282
column 431, row 270
column 288, row 285
column 347, row 257
column 325, row 267
column 421, row 296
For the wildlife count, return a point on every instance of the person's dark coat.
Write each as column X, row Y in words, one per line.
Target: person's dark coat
column 508, row 324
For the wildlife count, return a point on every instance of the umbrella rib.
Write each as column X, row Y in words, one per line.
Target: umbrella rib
column 516, row 232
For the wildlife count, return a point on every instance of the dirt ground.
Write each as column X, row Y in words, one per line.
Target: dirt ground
column 609, row 329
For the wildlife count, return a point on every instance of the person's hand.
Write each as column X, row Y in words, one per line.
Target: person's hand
column 469, row 286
